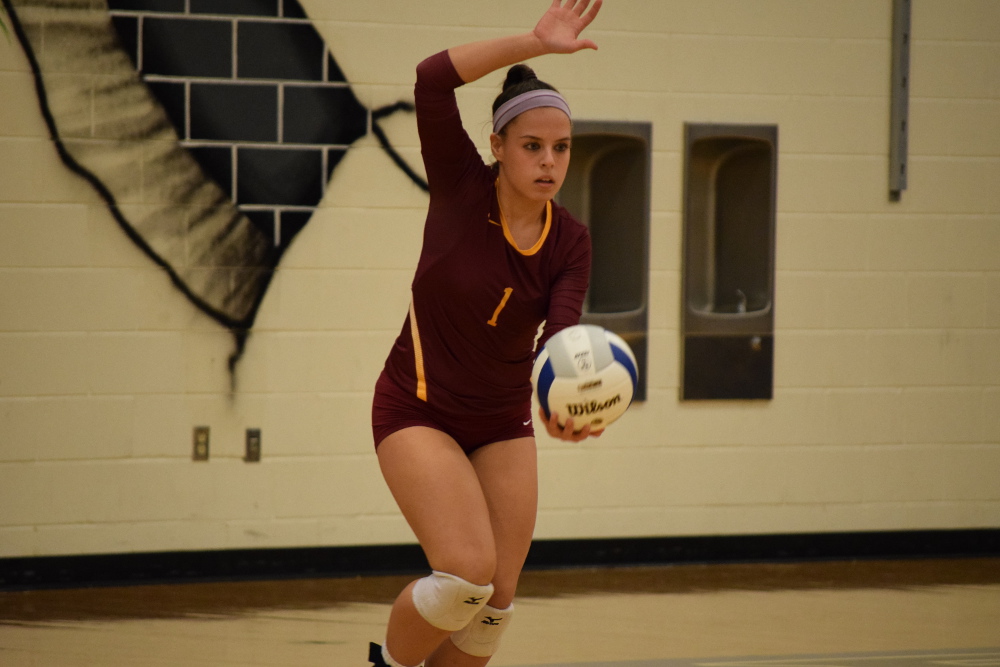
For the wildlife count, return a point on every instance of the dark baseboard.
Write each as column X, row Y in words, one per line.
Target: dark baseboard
column 319, row 562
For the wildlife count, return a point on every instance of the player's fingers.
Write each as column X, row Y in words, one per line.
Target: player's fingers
column 592, row 14
column 574, row 436
column 564, row 432
column 551, row 424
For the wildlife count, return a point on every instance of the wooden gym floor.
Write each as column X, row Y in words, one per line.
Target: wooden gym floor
column 927, row 613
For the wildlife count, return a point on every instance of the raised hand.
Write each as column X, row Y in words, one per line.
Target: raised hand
column 560, row 27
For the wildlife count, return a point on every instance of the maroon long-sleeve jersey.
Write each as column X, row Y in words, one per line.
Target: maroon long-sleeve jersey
column 468, row 342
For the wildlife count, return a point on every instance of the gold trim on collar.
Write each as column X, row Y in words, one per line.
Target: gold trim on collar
column 506, row 230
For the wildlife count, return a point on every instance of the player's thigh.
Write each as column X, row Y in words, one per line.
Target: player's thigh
column 439, row 493
column 508, row 475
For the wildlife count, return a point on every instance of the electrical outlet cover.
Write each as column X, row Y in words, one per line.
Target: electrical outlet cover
column 201, row 439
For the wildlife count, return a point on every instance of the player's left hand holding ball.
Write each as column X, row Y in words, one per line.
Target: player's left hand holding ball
column 584, row 372
column 566, row 432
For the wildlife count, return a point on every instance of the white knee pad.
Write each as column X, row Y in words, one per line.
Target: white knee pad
column 448, row 602
column 481, row 637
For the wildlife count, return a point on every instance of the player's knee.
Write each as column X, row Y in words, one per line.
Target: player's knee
column 504, row 589
column 449, row 602
column 481, row 636
column 472, row 562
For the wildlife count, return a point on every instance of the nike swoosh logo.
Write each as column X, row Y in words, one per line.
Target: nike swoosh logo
column 527, row 422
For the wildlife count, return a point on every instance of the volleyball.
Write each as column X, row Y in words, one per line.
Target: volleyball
column 585, row 372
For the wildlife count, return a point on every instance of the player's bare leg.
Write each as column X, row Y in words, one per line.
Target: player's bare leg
column 438, row 491
column 508, row 474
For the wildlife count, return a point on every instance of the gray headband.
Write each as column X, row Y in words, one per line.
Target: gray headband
column 530, row 100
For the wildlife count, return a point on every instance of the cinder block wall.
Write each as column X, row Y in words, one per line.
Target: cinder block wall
column 886, row 413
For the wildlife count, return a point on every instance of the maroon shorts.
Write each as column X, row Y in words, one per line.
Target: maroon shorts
column 394, row 409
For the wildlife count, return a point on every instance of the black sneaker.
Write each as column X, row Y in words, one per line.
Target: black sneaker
column 375, row 655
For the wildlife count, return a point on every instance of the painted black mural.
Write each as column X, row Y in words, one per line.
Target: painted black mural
column 211, row 129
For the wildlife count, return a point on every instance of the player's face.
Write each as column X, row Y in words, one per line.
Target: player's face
column 533, row 153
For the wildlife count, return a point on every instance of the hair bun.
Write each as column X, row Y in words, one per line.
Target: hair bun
column 520, row 79
column 518, row 74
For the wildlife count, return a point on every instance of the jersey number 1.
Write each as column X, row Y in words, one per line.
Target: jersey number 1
column 503, row 302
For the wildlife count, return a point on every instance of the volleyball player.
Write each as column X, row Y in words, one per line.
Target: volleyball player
column 451, row 416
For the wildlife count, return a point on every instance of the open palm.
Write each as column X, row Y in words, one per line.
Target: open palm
column 559, row 29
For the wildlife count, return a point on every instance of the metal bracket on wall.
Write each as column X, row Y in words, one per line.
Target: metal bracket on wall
column 900, row 104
